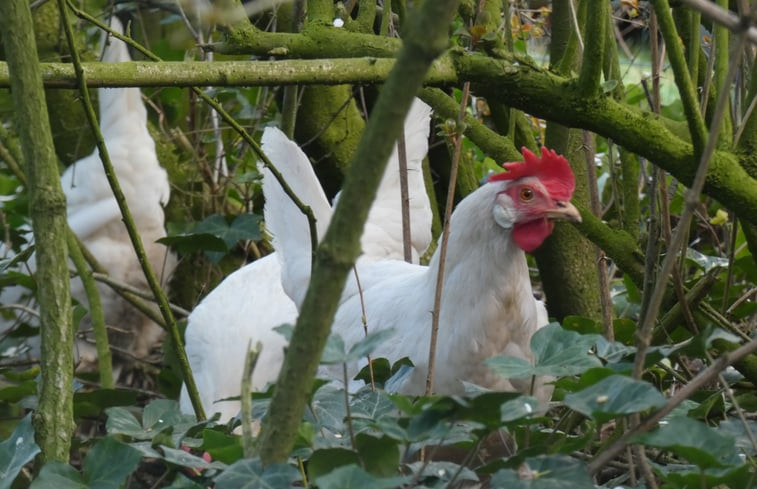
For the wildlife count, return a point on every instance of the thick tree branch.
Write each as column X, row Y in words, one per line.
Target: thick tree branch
column 528, row 88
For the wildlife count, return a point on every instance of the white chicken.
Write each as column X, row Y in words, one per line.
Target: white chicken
column 251, row 302
column 94, row 216
column 487, row 305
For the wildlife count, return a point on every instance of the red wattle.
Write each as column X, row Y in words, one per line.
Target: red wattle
column 530, row 235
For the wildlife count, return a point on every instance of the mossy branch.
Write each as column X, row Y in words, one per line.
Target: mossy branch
column 686, row 88
column 529, row 88
column 590, row 76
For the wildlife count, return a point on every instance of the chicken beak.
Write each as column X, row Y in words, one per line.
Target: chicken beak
column 564, row 211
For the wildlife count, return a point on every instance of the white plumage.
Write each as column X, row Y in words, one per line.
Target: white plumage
column 487, row 305
column 94, row 216
column 251, row 302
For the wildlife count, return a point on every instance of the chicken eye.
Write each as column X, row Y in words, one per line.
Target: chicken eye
column 526, row 194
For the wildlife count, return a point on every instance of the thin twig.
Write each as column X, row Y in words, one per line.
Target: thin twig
column 604, row 286
column 445, row 237
column 364, row 320
column 405, row 198
column 250, row 360
column 134, row 292
column 682, row 230
column 734, row 23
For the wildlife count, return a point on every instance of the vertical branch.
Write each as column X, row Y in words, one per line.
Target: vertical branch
column 250, row 360
column 96, row 314
column 722, row 56
column 405, row 197
column 604, row 285
column 289, row 102
column 426, row 37
column 590, row 76
column 53, row 419
column 681, row 73
column 445, row 236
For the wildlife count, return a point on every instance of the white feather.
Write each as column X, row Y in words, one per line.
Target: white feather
column 487, row 305
column 95, row 218
column 251, row 302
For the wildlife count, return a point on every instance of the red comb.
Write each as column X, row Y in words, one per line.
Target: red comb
column 551, row 169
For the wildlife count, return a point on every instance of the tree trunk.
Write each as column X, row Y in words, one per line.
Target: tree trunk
column 53, row 420
column 566, row 260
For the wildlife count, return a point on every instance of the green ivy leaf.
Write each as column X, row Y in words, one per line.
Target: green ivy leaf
column 443, row 472
column 17, row 451
column 325, row 460
column 250, row 474
column 549, row 472
column 613, row 396
column 222, row 447
column 557, row 353
column 694, row 441
column 101, row 471
column 380, row 455
column 335, row 351
column 352, row 476
column 57, row 475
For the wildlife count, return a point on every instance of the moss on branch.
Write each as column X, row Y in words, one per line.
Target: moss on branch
column 529, row 88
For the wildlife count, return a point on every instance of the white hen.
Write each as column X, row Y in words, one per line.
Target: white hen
column 487, row 305
column 94, row 216
column 251, row 302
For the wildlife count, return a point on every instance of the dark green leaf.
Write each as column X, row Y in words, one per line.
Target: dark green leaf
column 694, row 441
column 222, row 447
column 181, row 457
column 335, row 351
column 557, row 352
column 15, row 393
column 190, row 242
column 353, row 477
column 325, row 460
column 57, row 475
column 90, row 404
column 614, row 396
column 442, row 471
column 122, row 422
column 735, row 429
column 109, row 463
column 549, row 472
column 380, row 455
column 249, row 474
column 17, row 451
column 518, row 409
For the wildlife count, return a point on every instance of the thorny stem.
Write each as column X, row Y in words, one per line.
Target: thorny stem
column 445, row 237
